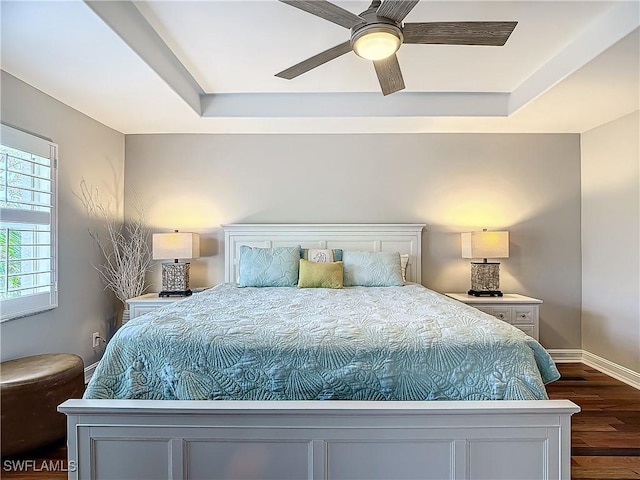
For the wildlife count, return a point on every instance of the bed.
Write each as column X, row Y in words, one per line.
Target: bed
column 361, row 382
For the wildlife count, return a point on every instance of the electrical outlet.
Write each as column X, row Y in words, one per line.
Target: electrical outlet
column 95, row 339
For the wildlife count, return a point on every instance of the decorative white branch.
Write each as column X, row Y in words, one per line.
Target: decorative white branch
column 125, row 247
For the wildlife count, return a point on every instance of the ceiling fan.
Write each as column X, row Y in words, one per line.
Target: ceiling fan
column 378, row 32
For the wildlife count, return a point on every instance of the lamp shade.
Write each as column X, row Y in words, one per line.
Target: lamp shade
column 176, row 245
column 485, row 245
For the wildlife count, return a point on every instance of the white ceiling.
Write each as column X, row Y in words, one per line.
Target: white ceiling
column 568, row 67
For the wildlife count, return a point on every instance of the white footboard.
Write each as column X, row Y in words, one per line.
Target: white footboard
column 141, row 439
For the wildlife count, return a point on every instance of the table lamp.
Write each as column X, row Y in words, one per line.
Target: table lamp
column 485, row 276
column 175, row 275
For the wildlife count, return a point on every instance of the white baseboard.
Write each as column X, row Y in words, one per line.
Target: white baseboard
column 614, row 370
column 88, row 372
column 565, row 355
column 603, row 365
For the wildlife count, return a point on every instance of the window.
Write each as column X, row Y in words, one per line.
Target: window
column 28, row 240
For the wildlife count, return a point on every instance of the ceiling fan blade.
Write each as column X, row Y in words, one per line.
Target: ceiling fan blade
column 328, row 11
column 315, row 61
column 459, row 33
column 396, row 9
column 389, row 74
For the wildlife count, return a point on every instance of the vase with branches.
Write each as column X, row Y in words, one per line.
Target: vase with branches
column 124, row 246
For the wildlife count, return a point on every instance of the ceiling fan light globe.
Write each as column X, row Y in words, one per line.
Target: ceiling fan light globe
column 376, row 44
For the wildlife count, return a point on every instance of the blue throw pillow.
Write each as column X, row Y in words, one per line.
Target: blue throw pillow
column 372, row 269
column 269, row 267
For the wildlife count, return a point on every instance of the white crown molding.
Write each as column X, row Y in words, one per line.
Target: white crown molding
column 125, row 19
column 604, row 32
column 355, row 104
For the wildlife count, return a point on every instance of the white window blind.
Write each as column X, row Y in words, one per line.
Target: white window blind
column 28, row 240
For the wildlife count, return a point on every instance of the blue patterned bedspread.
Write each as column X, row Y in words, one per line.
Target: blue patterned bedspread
column 393, row 343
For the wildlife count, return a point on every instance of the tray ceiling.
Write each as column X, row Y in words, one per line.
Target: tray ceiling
column 208, row 66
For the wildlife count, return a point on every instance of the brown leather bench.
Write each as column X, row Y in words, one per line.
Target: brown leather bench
column 31, row 388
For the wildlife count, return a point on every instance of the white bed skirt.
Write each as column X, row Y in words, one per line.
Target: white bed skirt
column 145, row 439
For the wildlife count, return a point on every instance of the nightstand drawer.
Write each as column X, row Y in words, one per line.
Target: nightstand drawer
column 141, row 310
column 523, row 315
column 502, row 313
column 520, row 311
column 151, row 301
column 528, row 329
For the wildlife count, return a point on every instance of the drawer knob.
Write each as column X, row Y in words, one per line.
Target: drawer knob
column 523, row 315
column 501, row 315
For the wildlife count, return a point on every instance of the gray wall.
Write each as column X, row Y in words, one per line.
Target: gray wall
column 526, row 183
column 89, row 150
column 611, row 241
column 529, row 184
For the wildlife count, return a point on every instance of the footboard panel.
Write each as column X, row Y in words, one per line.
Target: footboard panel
column 118, row 439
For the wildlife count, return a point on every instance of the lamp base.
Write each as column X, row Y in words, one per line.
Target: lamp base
column 175, row 279
column 172, row 293
column 485, row 279
column 485, row 293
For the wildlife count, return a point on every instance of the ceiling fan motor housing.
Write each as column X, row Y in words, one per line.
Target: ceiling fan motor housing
column 371, row 19
column 379, row 25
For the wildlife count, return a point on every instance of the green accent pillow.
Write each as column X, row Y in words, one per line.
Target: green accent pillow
column 320, row 275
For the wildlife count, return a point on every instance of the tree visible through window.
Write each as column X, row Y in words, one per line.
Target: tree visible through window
column 11, row 254
column 27, row 224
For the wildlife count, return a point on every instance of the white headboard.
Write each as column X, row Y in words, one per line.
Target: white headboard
column 380, row 237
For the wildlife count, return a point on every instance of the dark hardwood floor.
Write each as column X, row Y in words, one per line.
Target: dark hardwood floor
column 46, row 463
column 605, row 434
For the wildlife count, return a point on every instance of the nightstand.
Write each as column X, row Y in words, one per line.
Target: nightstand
column 520, row 311
column 148, row 302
